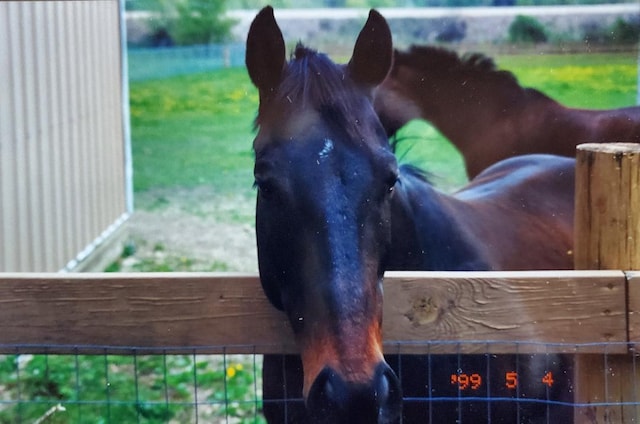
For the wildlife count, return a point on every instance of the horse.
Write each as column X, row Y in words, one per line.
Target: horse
column 335, row 210
column 486, row 113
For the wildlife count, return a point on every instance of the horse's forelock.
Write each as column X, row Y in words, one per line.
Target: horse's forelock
column 312, row 81
column 301, row 52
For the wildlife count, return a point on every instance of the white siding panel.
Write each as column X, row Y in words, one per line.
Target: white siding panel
column 54, row 92
column 21, row 239
column 61, row 130
column 8, row 254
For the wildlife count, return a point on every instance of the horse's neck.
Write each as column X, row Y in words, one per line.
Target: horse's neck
column 425, row 232
column 469, row 108
column 487, row 126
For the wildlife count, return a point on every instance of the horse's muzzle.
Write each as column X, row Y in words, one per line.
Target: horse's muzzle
column 333, row 400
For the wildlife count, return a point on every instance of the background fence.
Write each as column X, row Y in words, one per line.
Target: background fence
column 62, row 132
column 153, row 63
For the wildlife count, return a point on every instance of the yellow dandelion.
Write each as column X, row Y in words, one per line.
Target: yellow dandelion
column 231, row 372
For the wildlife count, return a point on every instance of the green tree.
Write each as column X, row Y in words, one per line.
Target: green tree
column 526, row 29
column 197, row 21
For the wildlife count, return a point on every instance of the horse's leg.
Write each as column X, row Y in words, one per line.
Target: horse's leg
column 282, row 390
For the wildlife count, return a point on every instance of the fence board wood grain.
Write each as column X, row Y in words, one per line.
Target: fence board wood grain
column 229, row 312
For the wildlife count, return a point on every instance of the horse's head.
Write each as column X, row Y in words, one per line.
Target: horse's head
column 421, row 81
column 325, row 174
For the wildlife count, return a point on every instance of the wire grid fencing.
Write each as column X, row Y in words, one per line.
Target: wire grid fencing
column 131, row 385
column 156, row 63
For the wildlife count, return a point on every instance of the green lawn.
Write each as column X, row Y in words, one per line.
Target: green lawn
column 579, row 80
column 197, row 130
column 193, row 130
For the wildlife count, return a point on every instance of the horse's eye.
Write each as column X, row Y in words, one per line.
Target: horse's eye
column 391, row 182
column 266, row 187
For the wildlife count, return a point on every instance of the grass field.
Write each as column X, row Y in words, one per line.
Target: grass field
column 197, row 130
column 579, row 80
column 193, row 130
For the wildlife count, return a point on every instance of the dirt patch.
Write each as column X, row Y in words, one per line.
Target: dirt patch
column 196, row 229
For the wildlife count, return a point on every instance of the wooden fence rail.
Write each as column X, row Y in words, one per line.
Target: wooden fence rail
column 57, row 313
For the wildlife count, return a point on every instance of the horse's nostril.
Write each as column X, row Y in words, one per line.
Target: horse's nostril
column 382, row 391
column 389, row 394
column 329, row 389
column 326, row 399
column 333, row 400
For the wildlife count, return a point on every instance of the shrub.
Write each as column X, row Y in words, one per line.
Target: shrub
column 620, row 32
column 525, row 29
column 594, row 33
column 624, row 32
column 452, row 31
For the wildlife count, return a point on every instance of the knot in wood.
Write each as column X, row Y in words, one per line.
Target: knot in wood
column 423, row 311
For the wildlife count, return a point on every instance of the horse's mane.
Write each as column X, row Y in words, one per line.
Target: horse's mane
column 468, row 67
column 311, row 80
column 442, row 61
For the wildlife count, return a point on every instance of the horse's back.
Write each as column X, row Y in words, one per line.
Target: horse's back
column 523, row 204
column 521, row 172
column 616, row 125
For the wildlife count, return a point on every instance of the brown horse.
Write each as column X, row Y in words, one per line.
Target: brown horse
column 485, row 113
column 334, row 211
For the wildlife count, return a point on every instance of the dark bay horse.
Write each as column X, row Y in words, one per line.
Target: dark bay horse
column 485, row 113
column 335, row 210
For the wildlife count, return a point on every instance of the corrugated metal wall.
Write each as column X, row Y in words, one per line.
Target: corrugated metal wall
column 62, row 149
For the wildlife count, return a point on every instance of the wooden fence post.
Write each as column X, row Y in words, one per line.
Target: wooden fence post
column 607, row 236
column 607, row 206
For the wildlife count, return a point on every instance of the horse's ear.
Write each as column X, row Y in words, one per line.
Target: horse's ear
column 265, row 57
column 373, row 52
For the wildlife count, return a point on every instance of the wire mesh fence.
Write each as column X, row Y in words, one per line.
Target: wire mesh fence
column 129, row 387
column 116, row 385
column 156, row 63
